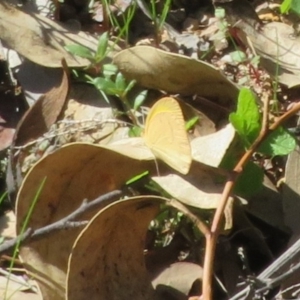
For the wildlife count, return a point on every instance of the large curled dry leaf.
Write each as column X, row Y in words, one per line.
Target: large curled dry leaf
column 107, row 260
column 40, row 39
column 174, row 73
column 73, row 173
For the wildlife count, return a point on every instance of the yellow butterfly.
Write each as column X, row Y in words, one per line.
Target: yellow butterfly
column 166, row 136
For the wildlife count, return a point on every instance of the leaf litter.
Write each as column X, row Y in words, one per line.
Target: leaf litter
column 80, row 139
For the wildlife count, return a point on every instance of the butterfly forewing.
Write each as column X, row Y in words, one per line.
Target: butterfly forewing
column 166, row 136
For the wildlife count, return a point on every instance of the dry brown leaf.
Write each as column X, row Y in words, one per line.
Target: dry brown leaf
column 204, row 148
column 133, row 147
column 204, row 126
column 16, row 289
column 279, row 51
column 107, row 260
column 40, row 39
column 73, row 173
column 291, row 192
column 174, row 73
column 8, row 225
column 177, row 279
column 44, row 113
column 206, row 195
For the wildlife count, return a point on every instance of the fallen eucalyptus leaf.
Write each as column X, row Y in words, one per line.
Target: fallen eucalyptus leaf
column 204, row 148
column 107, row 259
column 174, row 73
column 278, row 49
column 40, row 39
column 204, row 196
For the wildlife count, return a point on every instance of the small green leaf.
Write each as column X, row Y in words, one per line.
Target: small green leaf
column 102, row 47
column 109, row 70
column 285, row 6
column 191, row 123
column 246, row 120
column 137, row 177
column 129, row 86
column 255, row 61
column 105, row 84
column 120, row 82
column 238, row 56
column 135, row 131
column 250, row 181
column 279, row 142
column 139, row 99
column 295, row 7
column 220, row 13
column 80, row 51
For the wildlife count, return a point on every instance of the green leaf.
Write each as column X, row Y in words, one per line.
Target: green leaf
column 102, row 47
column 295, row 7
column 279, row 142
column 285, row 6
column 255, row 61
column 129, row 86
column 109, row 70
column 135, row 131
column 250, row 181
column 120, row 82
column 191, row 123
column 105, row 84
column 246, row 120
column 80, row 51
column 220, row 13
column 137, row 177
column 238, row 56
column 139, row 99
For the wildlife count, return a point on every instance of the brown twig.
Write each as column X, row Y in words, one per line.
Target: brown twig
column 68, row 222
column 211, row 239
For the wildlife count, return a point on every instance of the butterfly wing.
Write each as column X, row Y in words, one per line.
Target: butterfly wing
column 166, row 136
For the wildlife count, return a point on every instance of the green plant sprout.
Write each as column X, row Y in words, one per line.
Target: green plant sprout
column 247, row 121
column 127, row 17
column 23, row 229
column 84, row 52
column 159, row 20
column 112, row 82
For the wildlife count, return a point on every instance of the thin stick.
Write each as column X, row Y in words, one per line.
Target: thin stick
column 68, row 222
